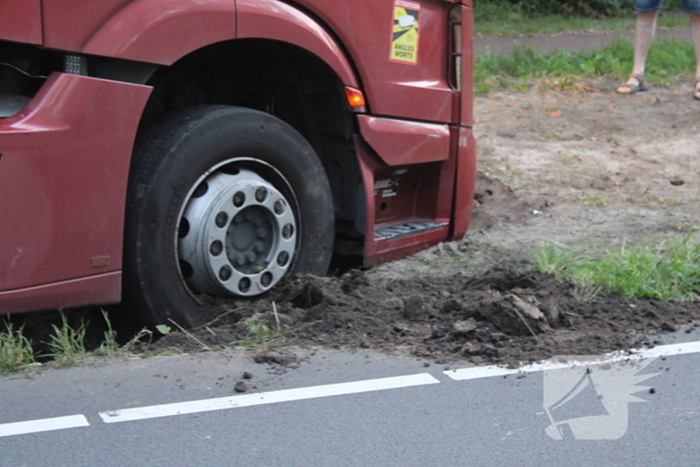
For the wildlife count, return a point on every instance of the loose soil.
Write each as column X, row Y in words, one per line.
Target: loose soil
column 573, row 168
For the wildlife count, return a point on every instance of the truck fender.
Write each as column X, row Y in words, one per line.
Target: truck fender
column 272, row 19
column 163, row 31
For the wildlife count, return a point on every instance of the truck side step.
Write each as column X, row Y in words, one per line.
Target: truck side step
column 395, row 231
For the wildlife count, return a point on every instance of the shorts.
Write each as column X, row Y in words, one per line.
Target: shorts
column 643, row 6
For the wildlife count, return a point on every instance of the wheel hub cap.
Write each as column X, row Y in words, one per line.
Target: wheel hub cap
column 237, row 235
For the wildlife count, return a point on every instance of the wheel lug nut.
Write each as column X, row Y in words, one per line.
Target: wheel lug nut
column 240, row 260
column 261, row 233
column 260, row 194
column 257, row 222
column 251, row 257
column 244, row 285
column 225, row 273
column 258, row 247
column 216, row 248
column 282, row 258
column 287, row 231
column 239, row 199
column 279, row 207
column 221, row 219
column 266, row 279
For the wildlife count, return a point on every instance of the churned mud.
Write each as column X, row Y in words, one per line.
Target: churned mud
column 502, row 316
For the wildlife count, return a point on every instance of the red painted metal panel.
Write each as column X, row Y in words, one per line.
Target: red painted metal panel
column 68, row 24
column 155, row 31
column 444, row 187
column 63, row 173
column 401, row 142
column 467, row 98
column 20, row 21
column 271, row 19
column 431, row 200
column 103, row 289
column 408, row 192
column 465, row 182
column 162, row 31
column 364, row 27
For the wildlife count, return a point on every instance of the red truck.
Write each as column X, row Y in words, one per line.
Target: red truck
column 153, row 152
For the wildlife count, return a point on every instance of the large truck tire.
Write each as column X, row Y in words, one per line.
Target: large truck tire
column 222, row 201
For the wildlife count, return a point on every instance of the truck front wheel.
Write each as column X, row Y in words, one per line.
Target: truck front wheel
column 222, row 201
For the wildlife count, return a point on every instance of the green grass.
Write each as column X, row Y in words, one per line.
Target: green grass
column 513, row 25
column 508, row 18
column 261, row 332
column 669, row 60
column 668, row 271
column 67, row 344
column 15, row 350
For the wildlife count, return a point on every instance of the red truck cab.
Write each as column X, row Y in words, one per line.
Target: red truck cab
column 155, row 152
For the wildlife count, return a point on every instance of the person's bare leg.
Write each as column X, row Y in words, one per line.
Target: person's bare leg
column 695, row 38
column 644, row 33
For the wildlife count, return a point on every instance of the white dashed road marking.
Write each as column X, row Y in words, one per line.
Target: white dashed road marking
column 316, row 392
column 479, row 372
column 273, row 397
column 44, row 424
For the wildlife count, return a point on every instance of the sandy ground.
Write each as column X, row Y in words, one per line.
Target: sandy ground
column 575, row 168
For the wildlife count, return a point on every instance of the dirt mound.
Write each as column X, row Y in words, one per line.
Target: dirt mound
column 505, row 316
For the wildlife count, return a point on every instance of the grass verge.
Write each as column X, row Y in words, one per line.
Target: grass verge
column 15, row 350
column 669, row 271
column 67, row 345
column 669, row 60
column 513, row 24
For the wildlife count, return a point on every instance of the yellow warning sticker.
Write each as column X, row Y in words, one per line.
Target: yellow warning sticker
column 404, row 39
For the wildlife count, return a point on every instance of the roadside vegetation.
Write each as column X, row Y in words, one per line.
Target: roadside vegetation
column 550, row 25
column 670, row 61
column 15, row 349
column 262, row 333
column 70, row 343
column 522, row 18
column 667, row 271
column 67, row 345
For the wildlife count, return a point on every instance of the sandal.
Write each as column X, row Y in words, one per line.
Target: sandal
column 696, row 89
column 631, row 87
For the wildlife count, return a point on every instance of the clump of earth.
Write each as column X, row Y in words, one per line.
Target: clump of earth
column 573, row 168
column 505, row 315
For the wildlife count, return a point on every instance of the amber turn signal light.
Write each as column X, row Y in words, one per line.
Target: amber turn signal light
column 355, row 97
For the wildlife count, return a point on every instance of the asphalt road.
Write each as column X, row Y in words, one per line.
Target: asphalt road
column 339, row 409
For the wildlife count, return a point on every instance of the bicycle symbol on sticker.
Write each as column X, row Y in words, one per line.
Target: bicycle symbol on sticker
column 404, row 39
